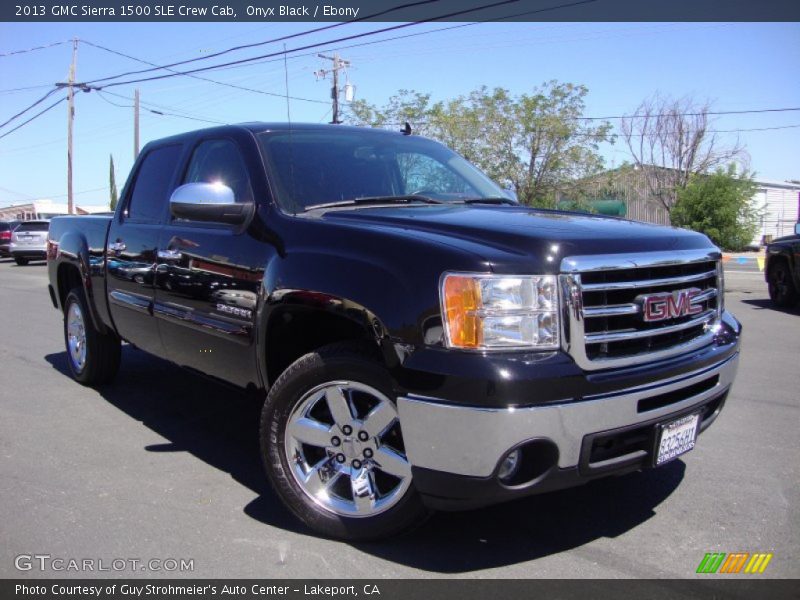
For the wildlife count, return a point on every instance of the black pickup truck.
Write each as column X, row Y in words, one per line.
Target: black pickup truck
column 421, row 341
column 782, row 269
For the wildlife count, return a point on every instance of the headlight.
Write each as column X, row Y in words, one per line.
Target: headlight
column 487, row 312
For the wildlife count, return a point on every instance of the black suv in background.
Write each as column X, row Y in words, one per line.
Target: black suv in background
column 782, row 269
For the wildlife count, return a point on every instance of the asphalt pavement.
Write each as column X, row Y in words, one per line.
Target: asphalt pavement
column 164, row 465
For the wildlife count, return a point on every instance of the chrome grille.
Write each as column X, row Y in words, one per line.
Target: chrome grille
column 603, row 313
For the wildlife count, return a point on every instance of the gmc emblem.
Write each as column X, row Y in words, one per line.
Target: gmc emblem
column 669, row 305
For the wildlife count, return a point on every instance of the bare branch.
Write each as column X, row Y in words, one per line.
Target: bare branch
column 670, row 140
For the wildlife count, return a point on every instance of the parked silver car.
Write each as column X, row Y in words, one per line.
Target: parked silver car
column 29, row 241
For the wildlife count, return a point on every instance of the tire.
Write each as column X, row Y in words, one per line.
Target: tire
column 21, row 260
column 374, row 465
column 782, row 290
column 93, row 357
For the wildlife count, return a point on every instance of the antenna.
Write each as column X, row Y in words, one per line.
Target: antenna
column 286, row 84
column 289, row 119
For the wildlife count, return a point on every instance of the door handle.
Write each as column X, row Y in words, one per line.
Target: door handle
column 169, row 254
column 117, row 246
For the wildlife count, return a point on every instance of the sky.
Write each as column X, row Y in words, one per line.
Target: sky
column 737, row 66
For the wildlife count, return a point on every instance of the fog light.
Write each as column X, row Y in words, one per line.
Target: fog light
column 509, row 466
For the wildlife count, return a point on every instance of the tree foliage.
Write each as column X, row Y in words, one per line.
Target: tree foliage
column 112, row 184
column 719, row 205
column 535, row 143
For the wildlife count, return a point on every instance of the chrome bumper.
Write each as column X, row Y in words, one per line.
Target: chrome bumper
column 471, row 441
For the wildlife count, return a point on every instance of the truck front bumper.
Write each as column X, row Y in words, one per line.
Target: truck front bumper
column 457, row 450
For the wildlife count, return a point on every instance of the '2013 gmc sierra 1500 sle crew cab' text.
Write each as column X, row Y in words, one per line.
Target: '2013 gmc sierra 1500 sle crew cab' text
column 421, row 341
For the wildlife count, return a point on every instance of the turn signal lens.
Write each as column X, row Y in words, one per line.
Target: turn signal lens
column 497, row 312
column 461, row 302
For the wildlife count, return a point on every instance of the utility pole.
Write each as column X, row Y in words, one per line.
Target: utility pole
column 338, row 64
column 136, row 124
column 70, row 119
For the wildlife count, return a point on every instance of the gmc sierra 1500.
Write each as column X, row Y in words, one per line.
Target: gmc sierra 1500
column 421, row 340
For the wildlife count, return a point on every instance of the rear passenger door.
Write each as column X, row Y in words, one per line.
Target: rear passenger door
column 209, row 274
column 132, row 246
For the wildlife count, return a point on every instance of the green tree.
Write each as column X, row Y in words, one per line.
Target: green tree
column 112, row 184
column 535, row 143
column 720, row 206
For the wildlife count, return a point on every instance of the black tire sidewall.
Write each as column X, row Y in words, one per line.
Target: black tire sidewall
column 306, row 373
column 782, row 299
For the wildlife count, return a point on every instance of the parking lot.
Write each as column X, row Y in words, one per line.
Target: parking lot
column 164, row 465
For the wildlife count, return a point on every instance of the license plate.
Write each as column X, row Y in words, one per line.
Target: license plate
column 676, row 438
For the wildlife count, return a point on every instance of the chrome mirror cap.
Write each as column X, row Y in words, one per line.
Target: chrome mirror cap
column 209, row 202
column 202, row 193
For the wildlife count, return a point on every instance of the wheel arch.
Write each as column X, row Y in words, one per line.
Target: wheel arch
column 72, row 270
column 302, row 321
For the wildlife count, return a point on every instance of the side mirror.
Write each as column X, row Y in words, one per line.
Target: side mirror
column 212, row 202
column 797, row 228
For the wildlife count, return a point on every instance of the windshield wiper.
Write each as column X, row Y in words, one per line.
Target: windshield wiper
column 491, row 200
column 377, row 200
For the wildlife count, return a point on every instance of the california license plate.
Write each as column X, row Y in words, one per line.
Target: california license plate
column 676, row 438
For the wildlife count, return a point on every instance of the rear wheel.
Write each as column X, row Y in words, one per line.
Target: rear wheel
column 782, row 291
column 21, row 260
column 333, row 448
column 93, row 357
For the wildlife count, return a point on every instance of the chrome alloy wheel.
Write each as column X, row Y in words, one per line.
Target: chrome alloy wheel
column 76, row 337
column 345, row 449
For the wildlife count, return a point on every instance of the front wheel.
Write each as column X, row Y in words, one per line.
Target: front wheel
column 782, row 291
column 333, row 448
column 93, row 356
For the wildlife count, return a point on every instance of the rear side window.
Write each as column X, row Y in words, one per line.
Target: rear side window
column 152, row 186
column 219, row 161
column 33, row 227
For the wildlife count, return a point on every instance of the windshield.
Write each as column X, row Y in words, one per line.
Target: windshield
column 311, row 168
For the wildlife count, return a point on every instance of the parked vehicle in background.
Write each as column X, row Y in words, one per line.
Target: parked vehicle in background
column 422, row 340
column 6, row 229
column 29, row 241
column 782, row 269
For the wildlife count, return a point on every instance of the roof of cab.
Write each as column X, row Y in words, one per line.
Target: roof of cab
column 262, row 127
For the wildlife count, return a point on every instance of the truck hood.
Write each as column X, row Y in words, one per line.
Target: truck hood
column 503, row 234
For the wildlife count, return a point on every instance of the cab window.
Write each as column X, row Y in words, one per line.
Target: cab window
column 152, row 187
column 219, row 161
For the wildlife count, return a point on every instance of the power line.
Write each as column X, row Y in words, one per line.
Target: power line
column 316, row 45
column 161, row 108
column 23, row 111
column 25, row 89
column 420, row 33
column 693, row 114
column 43, row 47
column 162, row 113
column 259, row 60
column 271, row 41
column 36, row 116
column 223, row 83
